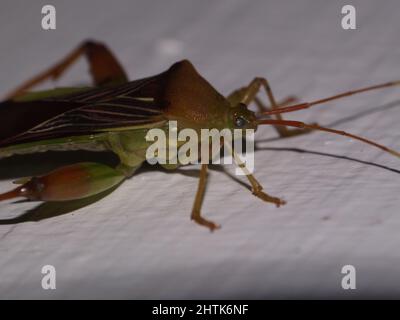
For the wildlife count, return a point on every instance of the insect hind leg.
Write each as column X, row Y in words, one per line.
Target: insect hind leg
column 104, row 68
column 70, row 182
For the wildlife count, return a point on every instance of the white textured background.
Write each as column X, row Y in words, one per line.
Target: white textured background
column 138, row 242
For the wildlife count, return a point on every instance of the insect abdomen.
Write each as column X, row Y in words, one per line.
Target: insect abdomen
column 87, row 143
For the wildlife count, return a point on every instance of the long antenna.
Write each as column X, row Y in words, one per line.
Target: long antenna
column 307, row 105
column 303, row 125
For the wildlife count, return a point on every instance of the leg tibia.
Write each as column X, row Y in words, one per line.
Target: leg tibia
column 196, row 211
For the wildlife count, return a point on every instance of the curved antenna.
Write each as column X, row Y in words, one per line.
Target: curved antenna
column 302, row 125
column 307, row 105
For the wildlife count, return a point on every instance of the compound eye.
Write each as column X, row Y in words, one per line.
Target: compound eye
column 240, row 122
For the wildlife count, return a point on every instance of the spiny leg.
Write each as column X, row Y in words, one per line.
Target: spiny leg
column 248, row 95
column 104, row 67
column 70, row 182
column 196, row 211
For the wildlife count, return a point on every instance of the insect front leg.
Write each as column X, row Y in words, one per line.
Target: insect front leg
column 196, row 211
column 70, row 182
column 104, row 67
column 248, row 94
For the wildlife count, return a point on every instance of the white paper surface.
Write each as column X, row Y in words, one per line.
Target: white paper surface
column 138, row 242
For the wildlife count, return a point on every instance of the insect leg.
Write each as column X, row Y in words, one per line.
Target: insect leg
column 196, row 211
column 104, row 67
column 289, row 100
column 70, row 182
column 248, row 95
column 237, row 95
column 256, row 187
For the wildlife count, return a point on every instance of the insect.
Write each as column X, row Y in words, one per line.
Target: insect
column 116, row 115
